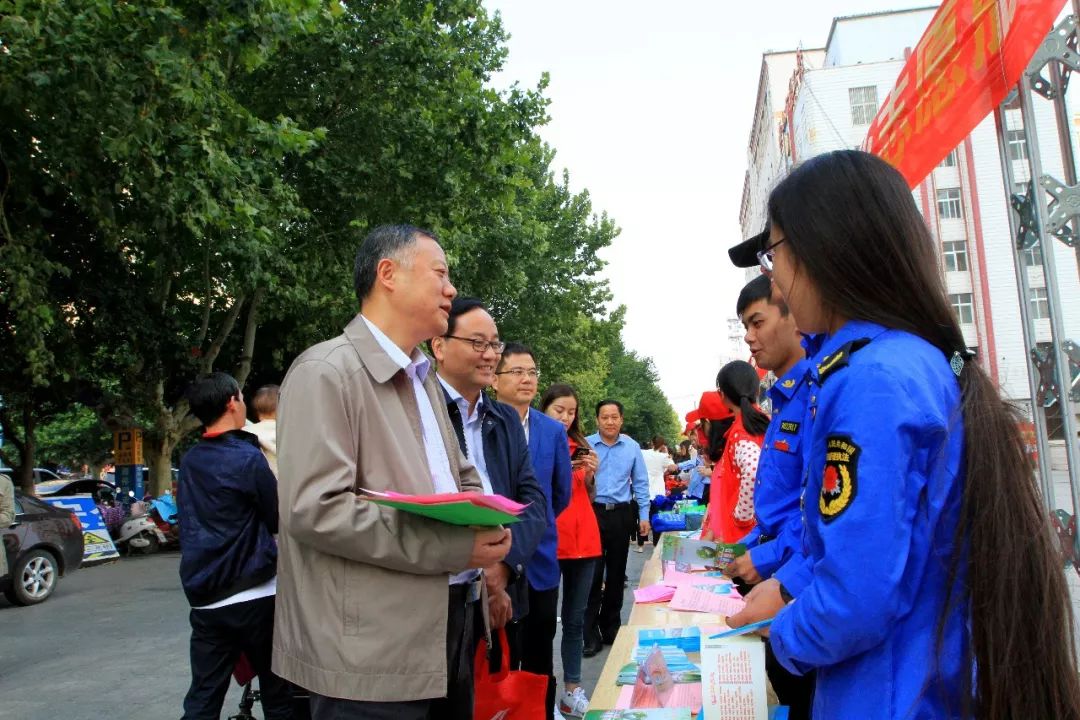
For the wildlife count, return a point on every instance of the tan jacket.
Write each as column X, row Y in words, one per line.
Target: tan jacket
column 362, row 596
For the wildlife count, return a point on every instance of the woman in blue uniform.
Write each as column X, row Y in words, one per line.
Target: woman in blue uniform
column 936, row 588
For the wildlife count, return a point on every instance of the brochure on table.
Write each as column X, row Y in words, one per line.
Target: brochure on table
column 733, row 679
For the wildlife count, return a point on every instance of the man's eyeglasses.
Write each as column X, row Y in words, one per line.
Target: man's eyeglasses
column 521, row 372
column 765, row 257
column 481, row 346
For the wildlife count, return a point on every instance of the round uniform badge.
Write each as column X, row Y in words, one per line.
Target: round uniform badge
column 840, row 481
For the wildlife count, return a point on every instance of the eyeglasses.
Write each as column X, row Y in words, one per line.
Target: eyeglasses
column 521, row 372
column 765, row 257
column 481, row 346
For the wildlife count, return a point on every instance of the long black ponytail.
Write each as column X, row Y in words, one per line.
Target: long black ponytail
column 740, row 384
column 851, row 223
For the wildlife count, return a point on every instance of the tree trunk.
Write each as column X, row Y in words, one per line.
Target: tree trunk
column 158, row 450
column 25, row 472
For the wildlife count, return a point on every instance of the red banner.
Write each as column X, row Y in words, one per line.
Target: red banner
column 970, row 56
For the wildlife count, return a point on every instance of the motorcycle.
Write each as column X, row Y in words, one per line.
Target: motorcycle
column 139, row 533
column 164, row 513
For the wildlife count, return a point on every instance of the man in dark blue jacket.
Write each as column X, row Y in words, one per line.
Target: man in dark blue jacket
column 228, row 507
column 491, row 436
column 532, row 640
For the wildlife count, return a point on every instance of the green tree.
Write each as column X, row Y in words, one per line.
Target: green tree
column 183, row 187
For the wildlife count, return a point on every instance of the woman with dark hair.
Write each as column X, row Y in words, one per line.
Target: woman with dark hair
column 731, row 510
column 922, row 520
column 579, row 545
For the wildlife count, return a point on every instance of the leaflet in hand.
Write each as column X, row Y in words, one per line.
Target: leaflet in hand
column 695, row 599
column 454, row 508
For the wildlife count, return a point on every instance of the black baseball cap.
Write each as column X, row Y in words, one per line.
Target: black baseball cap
column 744, row 255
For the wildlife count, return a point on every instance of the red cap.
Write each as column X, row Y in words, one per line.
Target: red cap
column 692, row 417
column 712, row 407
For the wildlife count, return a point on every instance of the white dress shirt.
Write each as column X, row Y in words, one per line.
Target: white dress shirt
column 473, row 431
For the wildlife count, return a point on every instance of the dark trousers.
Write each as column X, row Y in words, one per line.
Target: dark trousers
column 642, row 538
column 795, row 691
column 602, row 614
column 463, row 627
column 532, row 639
column 217, row 638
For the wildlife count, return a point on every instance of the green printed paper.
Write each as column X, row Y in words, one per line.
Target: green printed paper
column 452, row 513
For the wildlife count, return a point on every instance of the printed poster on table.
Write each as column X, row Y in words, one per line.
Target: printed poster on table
column 97, row 544
column 733, row 679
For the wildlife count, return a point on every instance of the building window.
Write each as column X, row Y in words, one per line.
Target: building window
column 948, row 204
column 949, row 161
column 1032, row 256
column 1017, row 144
column 863, row 104
column 965, row 311
column 955, row 254
column 1040, row 305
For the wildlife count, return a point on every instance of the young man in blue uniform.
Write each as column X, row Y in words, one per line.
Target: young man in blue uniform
column 776, row 540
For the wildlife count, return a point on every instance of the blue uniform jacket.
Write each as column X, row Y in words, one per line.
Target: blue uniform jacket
column 884, row 477
column 550, row 453
column 509, row 470
column 778, row 485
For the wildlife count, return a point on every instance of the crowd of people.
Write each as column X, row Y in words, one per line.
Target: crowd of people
column 880, row 486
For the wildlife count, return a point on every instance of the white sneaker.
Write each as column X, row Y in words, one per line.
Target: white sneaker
column 574, row 704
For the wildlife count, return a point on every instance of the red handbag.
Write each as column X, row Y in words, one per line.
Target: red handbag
column 506, row 695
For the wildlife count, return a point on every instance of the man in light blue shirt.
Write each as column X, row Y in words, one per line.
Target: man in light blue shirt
column 621, row 480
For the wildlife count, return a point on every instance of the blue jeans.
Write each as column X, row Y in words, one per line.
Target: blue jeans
column 577, row 577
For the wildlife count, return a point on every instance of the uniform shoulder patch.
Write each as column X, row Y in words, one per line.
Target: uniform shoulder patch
column 831, row 363
column 840, row 483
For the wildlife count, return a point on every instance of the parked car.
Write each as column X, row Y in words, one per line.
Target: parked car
column 43, row 544
column 40, row 474
column 81, row 486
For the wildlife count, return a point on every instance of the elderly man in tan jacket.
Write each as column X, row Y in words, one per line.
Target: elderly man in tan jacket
column 377, row 609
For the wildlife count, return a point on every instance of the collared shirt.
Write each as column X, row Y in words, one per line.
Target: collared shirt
column 695, row 487
column 417, row 368
column 472, row 426
column 525, row 425
column 621, row 465
column 778, row 485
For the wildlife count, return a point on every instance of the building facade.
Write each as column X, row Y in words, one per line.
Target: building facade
column 834, row 95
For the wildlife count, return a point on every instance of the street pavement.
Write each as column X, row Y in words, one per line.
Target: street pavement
column 112, row 644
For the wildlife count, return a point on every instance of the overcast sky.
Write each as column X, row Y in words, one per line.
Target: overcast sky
column 651, row 106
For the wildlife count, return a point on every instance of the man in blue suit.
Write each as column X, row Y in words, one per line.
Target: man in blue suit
column 532, row 639
column 491, row 436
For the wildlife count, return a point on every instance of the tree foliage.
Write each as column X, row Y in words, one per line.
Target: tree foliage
column 183, row 186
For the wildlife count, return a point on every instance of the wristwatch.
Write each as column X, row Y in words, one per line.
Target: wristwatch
column 787, row 596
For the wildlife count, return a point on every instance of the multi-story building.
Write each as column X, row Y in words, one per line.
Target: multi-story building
column 832, row 97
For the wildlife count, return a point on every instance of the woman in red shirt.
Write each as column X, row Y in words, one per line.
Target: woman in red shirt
column 579, row 545
column 731, row 508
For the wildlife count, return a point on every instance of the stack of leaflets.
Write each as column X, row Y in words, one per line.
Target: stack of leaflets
column 687, row 639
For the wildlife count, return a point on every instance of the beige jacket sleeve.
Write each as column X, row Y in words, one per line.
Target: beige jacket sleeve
column 7, row 502
column 319, row 439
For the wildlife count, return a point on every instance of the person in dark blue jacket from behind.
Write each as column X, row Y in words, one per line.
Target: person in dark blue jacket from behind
column 228, row 505
column 922, row 518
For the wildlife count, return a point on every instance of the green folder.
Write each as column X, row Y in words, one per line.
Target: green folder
column 453, row 513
